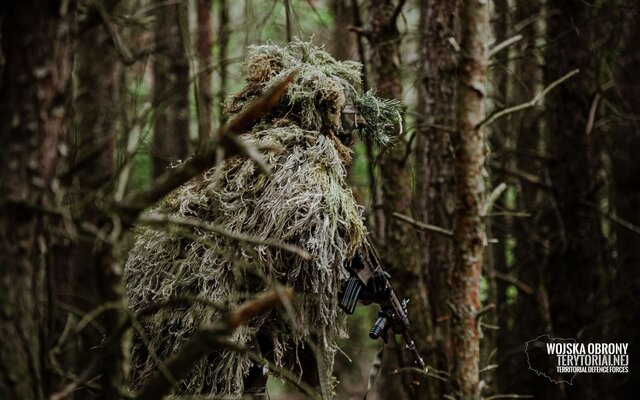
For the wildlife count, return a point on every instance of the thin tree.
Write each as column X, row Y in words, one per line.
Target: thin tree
column 625, row 140
column 399, row 244
column 468, row 227
column 576, row 282
column 170, row 89
column 529, row 232
column 34, row 89
column 435, row 191
column 223, row 45
column 92, row 166
column 204, row 44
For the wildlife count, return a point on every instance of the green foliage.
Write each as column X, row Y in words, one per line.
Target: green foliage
column 381, row 116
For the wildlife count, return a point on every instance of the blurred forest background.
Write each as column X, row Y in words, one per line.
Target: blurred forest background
column 525, row 222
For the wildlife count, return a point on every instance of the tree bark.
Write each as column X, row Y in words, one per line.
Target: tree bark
column 204, row 49
column 34, row 90
column 529, row 233
column 399, row 245
column 170, row 89
column 343, row 40
column 96, row 106
column 576, row 282
column 435, row 192
column 223, row 44
column 625, row 141
column 468, row 232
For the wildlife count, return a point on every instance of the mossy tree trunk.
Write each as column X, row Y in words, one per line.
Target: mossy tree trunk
column 35, row 85
column 435, row 192
column 468, row 227
column 170, row 88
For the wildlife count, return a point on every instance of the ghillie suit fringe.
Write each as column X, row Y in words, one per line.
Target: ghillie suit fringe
column 306, row 203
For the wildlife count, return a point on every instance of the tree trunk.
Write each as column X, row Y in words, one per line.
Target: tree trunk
column 170, row 89
column 625, row 142
column 529, row 233
column 96, row 264
column 342, row 42
column 575, row 283
column 399, row 245
column 204, row 44
column 33, row 113
column 93, row 149
column 435, row 195
column 223, row 44
column 468, row 233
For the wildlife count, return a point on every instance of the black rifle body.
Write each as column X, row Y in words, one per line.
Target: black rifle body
column 369, row 283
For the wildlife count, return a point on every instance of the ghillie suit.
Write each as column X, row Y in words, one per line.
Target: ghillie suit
column 306, row 202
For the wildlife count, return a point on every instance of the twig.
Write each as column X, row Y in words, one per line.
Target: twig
column 592, row 114
column 522, row 175
column 526, row 289
column 495, row 194
column 428, row 371
column 164, row 220
column 484, row 311
column 422, row 226
column 488, row 368
column 205, row 341
column 124, row 52
column 495, row 49
column 137, row 201
column 278, row 371
column 614, row 218
column 396, row 12
column 360, row 31
column 533, row 102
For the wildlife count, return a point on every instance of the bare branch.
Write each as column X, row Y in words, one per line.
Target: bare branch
column 526, row 289
column 531, row 103
column 397, row 11
column 502, row 45
column 495, row 194
column 422, row 226
column 614, row 218
column 205, row 341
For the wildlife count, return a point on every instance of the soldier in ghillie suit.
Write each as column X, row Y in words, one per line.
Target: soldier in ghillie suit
column 306, row 202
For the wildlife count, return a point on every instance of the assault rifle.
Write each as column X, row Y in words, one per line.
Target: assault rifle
column 370, row 283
